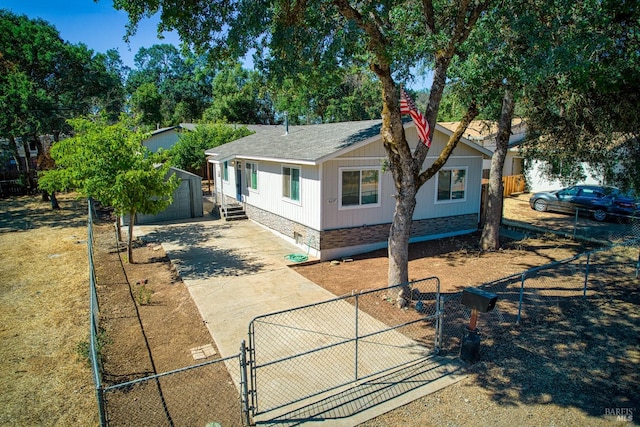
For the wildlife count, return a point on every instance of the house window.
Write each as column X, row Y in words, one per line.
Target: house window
column 225, row 171
column 252, row 175
column 359, row 187
column 452, row 184
column 291, row 183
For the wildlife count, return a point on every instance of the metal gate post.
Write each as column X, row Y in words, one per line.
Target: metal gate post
column 439, row 321
column 356, row 338
column 244, row 385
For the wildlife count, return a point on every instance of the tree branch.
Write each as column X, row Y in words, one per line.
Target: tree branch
column 471, row 113
column 427, row 10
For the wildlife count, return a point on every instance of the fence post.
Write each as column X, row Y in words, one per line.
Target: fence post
column 356, row 341
column 575, row 224
column 102, row 416
column 586, row 275
column 244, row 385
column 522, row 279
column 439, row 321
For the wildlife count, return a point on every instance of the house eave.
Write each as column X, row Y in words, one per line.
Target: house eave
column 211, row 159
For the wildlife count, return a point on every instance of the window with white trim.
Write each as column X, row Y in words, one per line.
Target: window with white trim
column 252, row 175
column 452, row 184
column 359, row 187
column 291, row 183
column 225, row 171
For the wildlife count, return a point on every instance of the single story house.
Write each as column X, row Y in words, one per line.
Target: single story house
column 326, row 187
column 484, row 133
column 166, row 138
column 538, row 181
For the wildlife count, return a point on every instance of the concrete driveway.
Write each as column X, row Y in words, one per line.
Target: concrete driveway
column 237, row 271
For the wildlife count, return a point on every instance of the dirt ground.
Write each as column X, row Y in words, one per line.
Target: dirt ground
column 564, row 370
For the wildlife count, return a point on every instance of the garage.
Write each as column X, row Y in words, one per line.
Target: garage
column 187, row 200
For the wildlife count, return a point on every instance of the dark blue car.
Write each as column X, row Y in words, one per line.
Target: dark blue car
column 602, row 202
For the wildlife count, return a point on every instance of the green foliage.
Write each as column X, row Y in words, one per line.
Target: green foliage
column 452, row 108
column 584, row 108
column 83, row 348
column 109, row 164
column 143, row 295
column 146, row 105
column 45, row 80
column 344, row 95
column 239, row 96
column 188, row 153
column 181, row 80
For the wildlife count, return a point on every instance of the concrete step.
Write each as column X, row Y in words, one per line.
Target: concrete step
column 233, row 213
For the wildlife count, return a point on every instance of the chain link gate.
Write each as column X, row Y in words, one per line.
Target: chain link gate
column 307, row 351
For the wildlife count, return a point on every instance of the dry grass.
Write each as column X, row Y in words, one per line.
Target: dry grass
column 44, row 314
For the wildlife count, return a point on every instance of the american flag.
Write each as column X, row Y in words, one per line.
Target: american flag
column 407, row 106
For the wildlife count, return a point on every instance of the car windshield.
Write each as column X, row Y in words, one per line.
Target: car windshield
column 619, row 193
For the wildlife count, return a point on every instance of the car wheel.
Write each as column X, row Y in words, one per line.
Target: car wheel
column 540, row 205
column 599, row 215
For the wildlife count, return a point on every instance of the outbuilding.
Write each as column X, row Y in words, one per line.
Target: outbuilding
column 187, row 200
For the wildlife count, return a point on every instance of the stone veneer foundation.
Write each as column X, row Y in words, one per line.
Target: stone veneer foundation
column 357, row 236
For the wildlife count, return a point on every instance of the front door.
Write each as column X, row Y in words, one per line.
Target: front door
column 238, row 181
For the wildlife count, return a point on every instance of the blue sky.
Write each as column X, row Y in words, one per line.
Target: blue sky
column 101, row 27
column 98, row 25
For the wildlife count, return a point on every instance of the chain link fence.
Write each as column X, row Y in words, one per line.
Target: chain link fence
column 94, row 312
column 309, row 350
column 544, row 292
column 615, row 228
column 184, row 397
column 304, row 352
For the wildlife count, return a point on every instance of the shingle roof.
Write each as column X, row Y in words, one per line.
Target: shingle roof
column 309, row 143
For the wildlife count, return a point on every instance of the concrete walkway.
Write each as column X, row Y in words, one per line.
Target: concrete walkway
column 236, row 271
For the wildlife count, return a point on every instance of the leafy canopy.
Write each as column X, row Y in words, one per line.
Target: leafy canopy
column 109, row 164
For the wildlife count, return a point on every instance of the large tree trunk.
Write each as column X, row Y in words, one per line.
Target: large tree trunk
column 405, row 173
column 403, row 164
column 490, row 239
column 399, row 235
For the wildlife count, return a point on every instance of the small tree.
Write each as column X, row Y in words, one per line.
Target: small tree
column 188, row 153
column 110, row 164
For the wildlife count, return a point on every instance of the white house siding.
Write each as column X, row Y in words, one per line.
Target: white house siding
column 536, row 181
column 350, row 231
column 336, row 217
column 268, row 196
column 225, row 190
column 373, row 155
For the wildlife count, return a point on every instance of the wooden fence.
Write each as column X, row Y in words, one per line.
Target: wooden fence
column 512, row 184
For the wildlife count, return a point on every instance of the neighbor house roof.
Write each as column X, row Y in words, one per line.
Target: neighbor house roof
column 163, row 130
column 311, row 144
column 484, row 132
